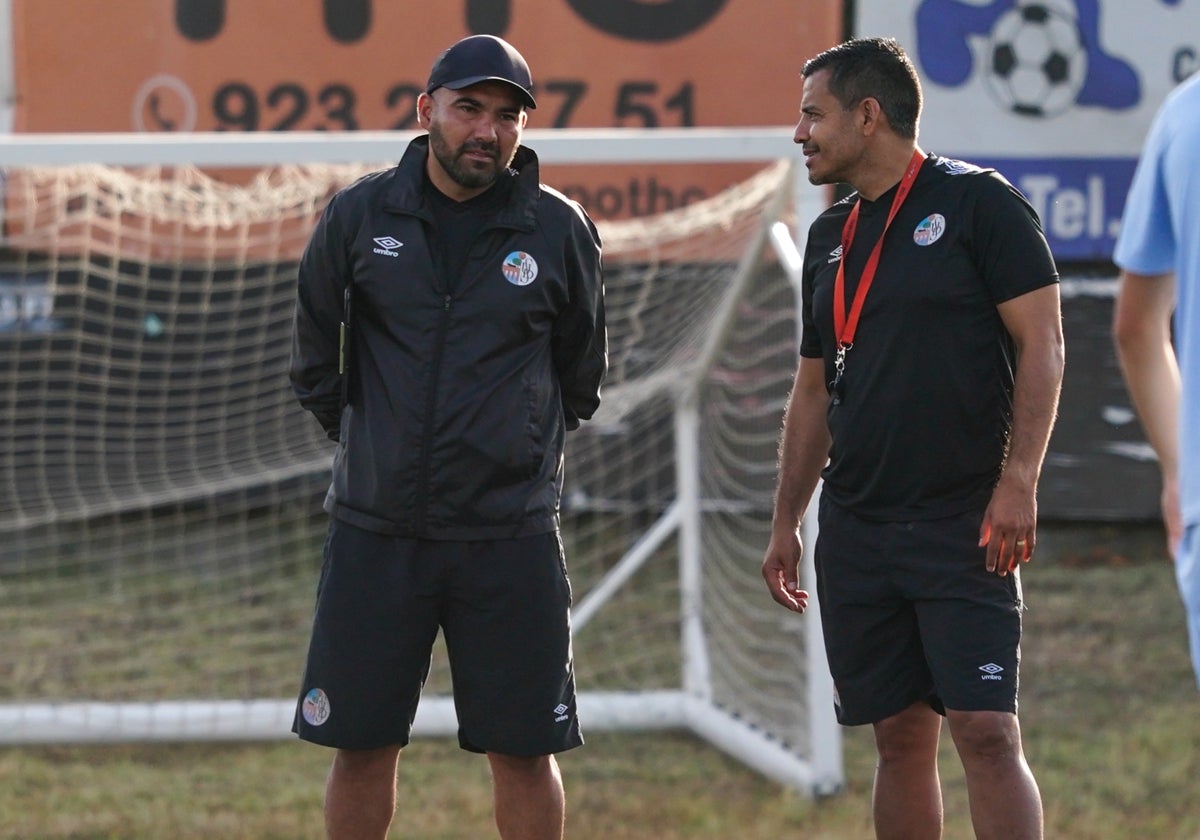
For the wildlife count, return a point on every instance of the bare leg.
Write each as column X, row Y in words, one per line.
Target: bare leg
column 908, row 790
column 360, row 794
column 1005, row 801
column 528, row 796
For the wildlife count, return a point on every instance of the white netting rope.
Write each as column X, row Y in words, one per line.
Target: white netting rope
column 164, row 373
column 160, row 489
column 150, row 368
column 49, row 206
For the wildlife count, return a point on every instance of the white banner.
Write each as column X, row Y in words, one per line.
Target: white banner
column 1056, row 94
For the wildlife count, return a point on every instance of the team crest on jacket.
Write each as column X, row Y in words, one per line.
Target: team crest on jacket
column 519, row 268
column 930, row 229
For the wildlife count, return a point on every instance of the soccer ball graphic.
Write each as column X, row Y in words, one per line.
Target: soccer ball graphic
column 1036, row 61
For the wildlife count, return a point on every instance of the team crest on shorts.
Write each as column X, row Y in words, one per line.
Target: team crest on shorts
column 930, row 229
column 315, row 707
column 519, row 268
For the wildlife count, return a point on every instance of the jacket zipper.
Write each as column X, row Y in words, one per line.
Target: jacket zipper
column 423, row 471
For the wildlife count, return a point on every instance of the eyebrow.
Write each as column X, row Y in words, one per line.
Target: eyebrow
column 514, row 108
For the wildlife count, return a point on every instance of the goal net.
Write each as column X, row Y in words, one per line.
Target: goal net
column 160, row 489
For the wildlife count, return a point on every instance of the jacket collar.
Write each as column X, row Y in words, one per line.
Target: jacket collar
column 406, row 193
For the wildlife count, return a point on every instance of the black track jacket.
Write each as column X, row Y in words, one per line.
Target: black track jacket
column 457, row 395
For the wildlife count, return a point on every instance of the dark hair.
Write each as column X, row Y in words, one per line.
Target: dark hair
column 875, row 68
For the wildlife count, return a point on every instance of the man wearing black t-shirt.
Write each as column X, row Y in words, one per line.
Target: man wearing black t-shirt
column 449, row 330
column 931, row 363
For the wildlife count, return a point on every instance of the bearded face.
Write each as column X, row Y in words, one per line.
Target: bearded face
column 473, row 165
column 473, row 136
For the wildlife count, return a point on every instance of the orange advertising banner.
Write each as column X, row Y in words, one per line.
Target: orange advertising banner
column 345, row 65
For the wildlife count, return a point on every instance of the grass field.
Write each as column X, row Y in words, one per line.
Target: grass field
column 1110, row 712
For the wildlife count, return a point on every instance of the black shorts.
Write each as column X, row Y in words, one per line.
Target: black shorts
column 504, row 607
column 910, row 613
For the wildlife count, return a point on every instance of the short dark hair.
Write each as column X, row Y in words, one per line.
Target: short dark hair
column 875, row 68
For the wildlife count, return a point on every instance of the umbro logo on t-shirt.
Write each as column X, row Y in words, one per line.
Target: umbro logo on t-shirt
column 834, row 256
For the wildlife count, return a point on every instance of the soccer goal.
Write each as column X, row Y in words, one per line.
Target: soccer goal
column 160, row 500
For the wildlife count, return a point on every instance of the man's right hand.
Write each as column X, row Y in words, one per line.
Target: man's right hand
column 780, row 569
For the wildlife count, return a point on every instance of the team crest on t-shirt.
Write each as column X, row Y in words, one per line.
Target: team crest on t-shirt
column 519, row 268
column 930, row 229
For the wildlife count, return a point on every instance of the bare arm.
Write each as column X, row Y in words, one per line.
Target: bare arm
column 1142, row 334
column 803, row 452
column 1009, row 529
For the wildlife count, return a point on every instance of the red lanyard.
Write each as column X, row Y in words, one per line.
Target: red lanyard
column 844, row 327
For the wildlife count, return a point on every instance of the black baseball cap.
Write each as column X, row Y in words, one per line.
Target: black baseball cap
column 482, row 58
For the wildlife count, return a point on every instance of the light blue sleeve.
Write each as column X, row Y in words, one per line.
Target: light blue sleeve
column 1146, row 242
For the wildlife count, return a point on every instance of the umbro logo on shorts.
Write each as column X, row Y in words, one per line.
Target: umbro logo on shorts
column 991, row 671
column 560, row 713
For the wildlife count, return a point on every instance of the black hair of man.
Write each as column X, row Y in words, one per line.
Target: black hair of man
column 875, row 68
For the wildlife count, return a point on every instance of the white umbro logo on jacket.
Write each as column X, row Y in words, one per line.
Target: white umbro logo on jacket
column 387, row 246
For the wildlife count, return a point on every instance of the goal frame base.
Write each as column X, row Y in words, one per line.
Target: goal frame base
column 271, row 720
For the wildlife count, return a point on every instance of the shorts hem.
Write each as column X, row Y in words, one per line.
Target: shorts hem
column 872, row 717
column 351, row 743
column 523, row 750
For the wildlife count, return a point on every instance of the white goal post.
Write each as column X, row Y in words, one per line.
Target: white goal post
column 163, row 518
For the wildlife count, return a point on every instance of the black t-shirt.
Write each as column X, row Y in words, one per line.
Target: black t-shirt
column 926, row 408
column 457, row 224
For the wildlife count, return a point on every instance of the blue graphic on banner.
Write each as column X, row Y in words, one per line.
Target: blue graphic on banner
column 1079, row 200
column 1040, row 57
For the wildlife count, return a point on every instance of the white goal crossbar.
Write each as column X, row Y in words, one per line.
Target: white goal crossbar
column 691, row 707
column 576, row 145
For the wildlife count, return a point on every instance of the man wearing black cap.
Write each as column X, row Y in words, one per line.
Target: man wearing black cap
column 449, row 329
